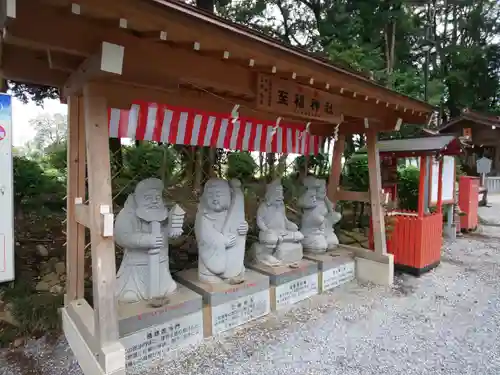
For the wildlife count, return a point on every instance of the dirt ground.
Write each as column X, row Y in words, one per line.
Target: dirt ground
column 445, row 322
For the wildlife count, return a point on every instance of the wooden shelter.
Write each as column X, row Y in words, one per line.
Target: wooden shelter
column 481, row 132
column 111, row 54
column 417, row 236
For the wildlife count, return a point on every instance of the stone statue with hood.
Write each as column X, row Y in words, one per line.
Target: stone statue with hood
column 279, row 239
column 143, row 228
column 318, row 217
column 221, row 231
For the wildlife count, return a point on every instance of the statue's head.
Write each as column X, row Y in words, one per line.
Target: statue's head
column 308, row 199
column 320, row 189
column 148, row 197
column 274, row 193
column 217, row 195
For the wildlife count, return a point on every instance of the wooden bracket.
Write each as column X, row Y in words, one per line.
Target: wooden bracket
column 108, row 219
column 108, row 62
column 82, row 213
column 82, row 216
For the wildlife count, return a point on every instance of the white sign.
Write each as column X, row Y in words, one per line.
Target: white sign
column 149, row 346
column 6, row 191
column 296, row 290
column 483, row 165
column 240, row 311
column 448, row 178
column 338, row 275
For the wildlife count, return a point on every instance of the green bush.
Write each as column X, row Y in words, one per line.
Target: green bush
column 33, row 188
column 241, row 165
column 408, row 185
column 356, row 177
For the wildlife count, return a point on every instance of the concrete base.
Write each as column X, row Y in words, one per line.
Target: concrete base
column 374, row 271
column 290, row 285
column 335, row 268
column 228, row 306
column 78, row 328
column 450, row 232
column 152, row 335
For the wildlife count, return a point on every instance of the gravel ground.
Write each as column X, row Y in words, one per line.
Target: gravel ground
column 445, row 322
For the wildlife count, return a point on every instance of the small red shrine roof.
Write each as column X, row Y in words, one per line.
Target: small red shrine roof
column 467, row 116
column 444, row 144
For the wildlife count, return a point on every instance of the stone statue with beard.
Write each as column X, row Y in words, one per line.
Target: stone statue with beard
column 141, row 228
column 279, row 238
column 318, row 217
column 221, row 230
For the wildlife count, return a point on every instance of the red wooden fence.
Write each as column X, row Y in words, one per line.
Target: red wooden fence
column 414, row 241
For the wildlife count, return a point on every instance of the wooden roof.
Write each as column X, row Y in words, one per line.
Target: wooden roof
column 177, row 54
column 445, row 144
column 469, row 117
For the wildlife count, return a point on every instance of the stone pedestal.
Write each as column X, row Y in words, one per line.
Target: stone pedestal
column 227, row 306
column 335, row 268
column 151, row 335
column 290, row 285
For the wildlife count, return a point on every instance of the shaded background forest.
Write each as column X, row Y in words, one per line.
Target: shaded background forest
column 444, row 51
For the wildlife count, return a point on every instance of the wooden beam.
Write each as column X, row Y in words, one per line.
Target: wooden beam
column 377, row 212
column 28, row 66
column 184, row 24
column 103, row 248
column 279, row 95
column 77, row 216
column 355, row 196
column 40, row 27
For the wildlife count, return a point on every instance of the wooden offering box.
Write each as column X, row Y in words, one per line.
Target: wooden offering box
column 335, row 268
column 150, row 335
column 290, row 285
column 227, row 306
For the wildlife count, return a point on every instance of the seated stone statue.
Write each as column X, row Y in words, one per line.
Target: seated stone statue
column 141, row 228
column 221, row 230
column 318, row 217
column 279, row 238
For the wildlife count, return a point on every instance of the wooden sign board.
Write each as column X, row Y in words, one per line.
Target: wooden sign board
column 278, row 95
column 6, row 191
column 448, row 178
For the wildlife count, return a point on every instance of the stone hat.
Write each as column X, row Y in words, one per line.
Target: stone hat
column 148, row 184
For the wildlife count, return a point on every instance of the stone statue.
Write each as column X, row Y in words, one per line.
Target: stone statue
column 318, row 217
column 221, row 231
column 141, row 228
column 279, row 238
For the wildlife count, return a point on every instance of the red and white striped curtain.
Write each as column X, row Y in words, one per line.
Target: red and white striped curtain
column 187, row 126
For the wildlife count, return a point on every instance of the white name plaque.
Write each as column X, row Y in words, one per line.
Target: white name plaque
column 338, row 275
column 152, row 345
column 240, row 311
column 296, row 290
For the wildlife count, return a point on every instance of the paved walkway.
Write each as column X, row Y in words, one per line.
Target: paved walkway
column 446, row 322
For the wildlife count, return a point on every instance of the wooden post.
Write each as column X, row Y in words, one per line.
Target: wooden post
column 440, row 187
column 378, row 221
column 336, row 168
column 100, row 199
column 75, row 232
column 421, row 188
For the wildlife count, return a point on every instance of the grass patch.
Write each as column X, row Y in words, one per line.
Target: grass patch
column 36, row 313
